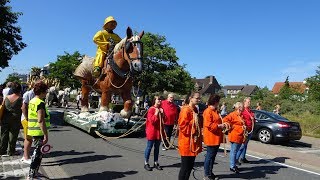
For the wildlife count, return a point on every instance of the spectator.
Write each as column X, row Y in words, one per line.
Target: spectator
column 38, row 123
column 27, row 96
column 189, row 140
column 7, row 91
column 113, row 99
column 236, row 133
column 258, row 106
column 153, row 133
column 78, row 98
column 10, row 124
column 170, row 116
column 248, row 117
column 212, row 134
column 223, row 110
column 277, row 109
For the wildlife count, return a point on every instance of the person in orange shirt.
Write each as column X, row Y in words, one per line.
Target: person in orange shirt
column 212, row 134
column 236, row 133
column 189, row 140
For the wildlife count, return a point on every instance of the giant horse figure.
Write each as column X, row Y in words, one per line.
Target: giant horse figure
column 117, row 74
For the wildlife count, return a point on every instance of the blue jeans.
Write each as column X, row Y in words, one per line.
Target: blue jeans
column 150, row 144
column 243, row 149
column 209, row 160
column 233, row 152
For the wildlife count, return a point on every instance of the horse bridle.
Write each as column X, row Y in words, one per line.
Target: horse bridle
column 125, row 50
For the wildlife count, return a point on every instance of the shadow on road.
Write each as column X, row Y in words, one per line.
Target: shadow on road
column 296, row 144
column 256, row 172
column 58, row 130
column 108, row 175
column 67, row 153
column 79, row 160
column 196, row 164
column 276, row 159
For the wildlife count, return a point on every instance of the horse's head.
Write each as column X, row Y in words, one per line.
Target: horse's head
column 133, row 51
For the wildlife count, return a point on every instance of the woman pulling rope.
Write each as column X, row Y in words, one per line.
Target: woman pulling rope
column 189, row 141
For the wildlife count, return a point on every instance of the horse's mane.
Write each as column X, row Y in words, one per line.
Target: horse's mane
column 123, row 41
column 119, row 45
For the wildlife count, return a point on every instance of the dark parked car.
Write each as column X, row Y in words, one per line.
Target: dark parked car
column 271, row 127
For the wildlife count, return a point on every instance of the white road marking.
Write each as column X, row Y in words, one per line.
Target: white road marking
column 310, row 151
column 282, row 164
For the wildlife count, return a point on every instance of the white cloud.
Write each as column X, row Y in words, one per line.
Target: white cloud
column 299, row 70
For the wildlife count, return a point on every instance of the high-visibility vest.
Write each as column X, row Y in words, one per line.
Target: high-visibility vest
column 33, row 124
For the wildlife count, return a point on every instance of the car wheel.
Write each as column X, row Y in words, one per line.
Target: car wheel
column 265, row 135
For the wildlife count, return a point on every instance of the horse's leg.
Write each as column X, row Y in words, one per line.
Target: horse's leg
column 105, row 100
column 127, row 106
column 85, row 96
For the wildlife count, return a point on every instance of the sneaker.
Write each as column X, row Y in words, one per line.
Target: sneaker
column 235, row 170
column 26, row 161
column 157, row 166
column 164, row 149
column 244, row 160
column 147, row 167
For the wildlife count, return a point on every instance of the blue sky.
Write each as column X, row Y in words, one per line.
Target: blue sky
column 237, row 41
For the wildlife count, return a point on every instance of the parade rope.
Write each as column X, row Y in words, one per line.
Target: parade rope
column 224, row 139
column 130, row 131
column 195, row 138
column 170, row 144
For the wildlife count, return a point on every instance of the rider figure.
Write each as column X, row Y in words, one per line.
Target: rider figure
column 105, row 39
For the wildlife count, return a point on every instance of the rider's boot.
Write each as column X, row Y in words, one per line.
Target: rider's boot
column 96, row 71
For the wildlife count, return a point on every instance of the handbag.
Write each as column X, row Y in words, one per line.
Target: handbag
column 1, row 110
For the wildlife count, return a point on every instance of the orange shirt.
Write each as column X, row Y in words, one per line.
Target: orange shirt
column 236, row 131
column 212, row 135
column 186, row 121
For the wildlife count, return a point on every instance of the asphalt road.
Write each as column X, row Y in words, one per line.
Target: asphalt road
column 81, row 156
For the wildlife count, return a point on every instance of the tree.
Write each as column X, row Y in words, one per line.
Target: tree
column 161, row 70
column 262, row 93
column 313, row 83
column 10, row 38
column 63, row 69
column 286, row 92
column 13, row 77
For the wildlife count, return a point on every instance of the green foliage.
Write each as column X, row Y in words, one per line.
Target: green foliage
column 10, row 38
column 161, row 70
column 290, row 92
column 314, row 86
column 14, row 77
column 310, row 123
column 63, row 69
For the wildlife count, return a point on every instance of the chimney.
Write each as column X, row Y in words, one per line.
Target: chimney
column 211, row 80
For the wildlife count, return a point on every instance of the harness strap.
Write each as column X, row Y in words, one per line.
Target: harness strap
column 117, row 70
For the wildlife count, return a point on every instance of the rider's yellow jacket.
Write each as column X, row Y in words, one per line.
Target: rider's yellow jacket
column 102, row 39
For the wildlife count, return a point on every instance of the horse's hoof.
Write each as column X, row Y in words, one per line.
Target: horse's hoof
column 84, row 109
column 125, row 114
column 102, row 108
